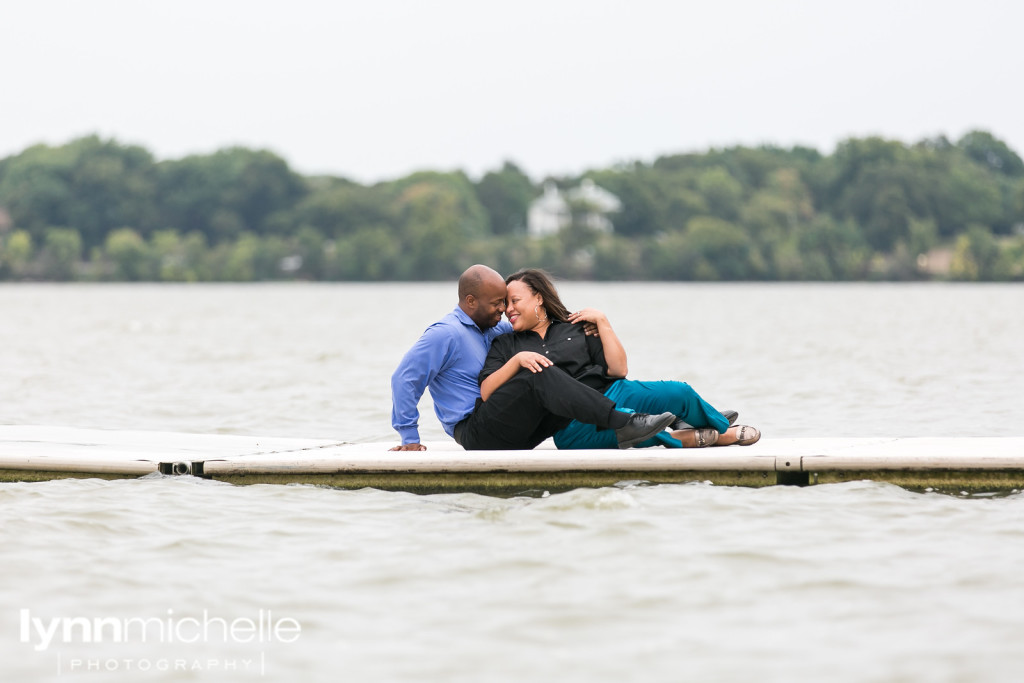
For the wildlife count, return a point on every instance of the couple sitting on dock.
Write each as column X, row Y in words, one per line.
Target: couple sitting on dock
column 546, row 372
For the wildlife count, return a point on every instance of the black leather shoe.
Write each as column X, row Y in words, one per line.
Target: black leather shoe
column 730, row 415
column 641, row 427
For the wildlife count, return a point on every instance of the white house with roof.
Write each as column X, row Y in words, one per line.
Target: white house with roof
column 551, row 212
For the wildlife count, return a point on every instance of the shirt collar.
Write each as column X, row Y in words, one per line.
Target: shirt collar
column 465, row 319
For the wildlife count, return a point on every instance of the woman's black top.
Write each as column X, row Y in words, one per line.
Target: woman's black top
column 566, row 345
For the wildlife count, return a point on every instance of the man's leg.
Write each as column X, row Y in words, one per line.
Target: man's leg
column 530, row 407
column 675, row 397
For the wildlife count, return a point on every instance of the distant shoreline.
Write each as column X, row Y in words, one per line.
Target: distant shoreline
column 873, row 210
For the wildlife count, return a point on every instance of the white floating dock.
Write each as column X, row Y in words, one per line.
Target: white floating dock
column 34, row 453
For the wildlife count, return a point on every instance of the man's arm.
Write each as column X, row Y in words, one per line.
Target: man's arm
column 418, row 367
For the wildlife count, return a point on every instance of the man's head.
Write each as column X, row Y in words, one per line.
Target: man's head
column 482, row 296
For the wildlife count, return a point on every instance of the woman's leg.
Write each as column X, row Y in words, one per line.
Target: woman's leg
column 647, row 397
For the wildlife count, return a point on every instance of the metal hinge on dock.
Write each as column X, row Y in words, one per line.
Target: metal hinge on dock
column 182, row 467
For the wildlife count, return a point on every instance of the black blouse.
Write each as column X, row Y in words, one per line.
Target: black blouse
column 566, row 345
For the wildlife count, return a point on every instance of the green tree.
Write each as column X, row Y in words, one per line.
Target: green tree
column 616, row 258
column 240, row 262
column 341, row 208
column 368, row 254
column 61, row 251
column 15, row 253
column 722, row 192
column 709, row 249
column 440, row 218
column 670, row 258
column 851, row 160
column 310, row 248
column 130, row 255
column 991, row 153
column 888, row 217
column 832, row 249
column 1013, row 255
column 506, row 195
column 196, row 257
column 272, row 255
column 923, row 236
column 643, row 198
column 977, row 256
column 170, row 259
column 777, row 210
column 91, row 185
column 962, row 193
column 226, row 193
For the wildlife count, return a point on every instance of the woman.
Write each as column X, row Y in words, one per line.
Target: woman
column 546, row 334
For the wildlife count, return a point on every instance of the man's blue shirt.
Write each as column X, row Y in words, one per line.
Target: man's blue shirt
column 446, row 359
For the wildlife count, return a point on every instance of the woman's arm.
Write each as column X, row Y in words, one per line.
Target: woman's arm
column 614, row 351
column 531, row 360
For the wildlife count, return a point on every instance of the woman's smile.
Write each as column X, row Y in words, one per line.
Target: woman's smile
column 520, row 294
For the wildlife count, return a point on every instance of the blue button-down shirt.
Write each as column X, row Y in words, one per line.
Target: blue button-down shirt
column 446, row 359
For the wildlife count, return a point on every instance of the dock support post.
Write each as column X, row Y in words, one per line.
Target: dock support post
column 789, row 471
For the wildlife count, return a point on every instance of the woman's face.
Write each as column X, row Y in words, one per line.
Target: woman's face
column 523, row 306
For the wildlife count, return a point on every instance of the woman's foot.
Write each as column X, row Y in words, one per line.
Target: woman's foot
column 744, row 435
column 696, row 438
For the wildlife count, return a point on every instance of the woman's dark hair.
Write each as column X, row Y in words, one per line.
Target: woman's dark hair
column 539, row 282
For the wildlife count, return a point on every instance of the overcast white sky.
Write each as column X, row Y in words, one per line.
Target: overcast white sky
column 378, row 89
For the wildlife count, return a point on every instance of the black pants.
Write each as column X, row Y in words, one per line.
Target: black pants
column 531, row 407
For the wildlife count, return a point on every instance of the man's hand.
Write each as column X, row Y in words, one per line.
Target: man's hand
column 409, row 447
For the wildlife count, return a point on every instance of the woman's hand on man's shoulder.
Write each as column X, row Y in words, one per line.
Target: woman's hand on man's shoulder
column 591, row 318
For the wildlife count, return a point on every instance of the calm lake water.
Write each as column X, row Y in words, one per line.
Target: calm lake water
column 850, row 582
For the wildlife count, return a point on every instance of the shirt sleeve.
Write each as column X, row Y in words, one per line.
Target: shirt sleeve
column 418, row 368
column 501, row 351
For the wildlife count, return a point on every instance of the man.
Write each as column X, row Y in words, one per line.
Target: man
column 448, row 358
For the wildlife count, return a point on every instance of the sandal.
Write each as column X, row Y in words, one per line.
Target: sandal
column 696, row 438
column 745, row 435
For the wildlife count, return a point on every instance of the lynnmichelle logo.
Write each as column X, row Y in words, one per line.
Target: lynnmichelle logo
column 51, row 633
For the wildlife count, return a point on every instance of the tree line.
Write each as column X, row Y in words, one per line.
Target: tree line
column 97, row 210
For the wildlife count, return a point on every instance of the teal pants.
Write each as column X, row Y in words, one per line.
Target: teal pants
column 645, row 397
